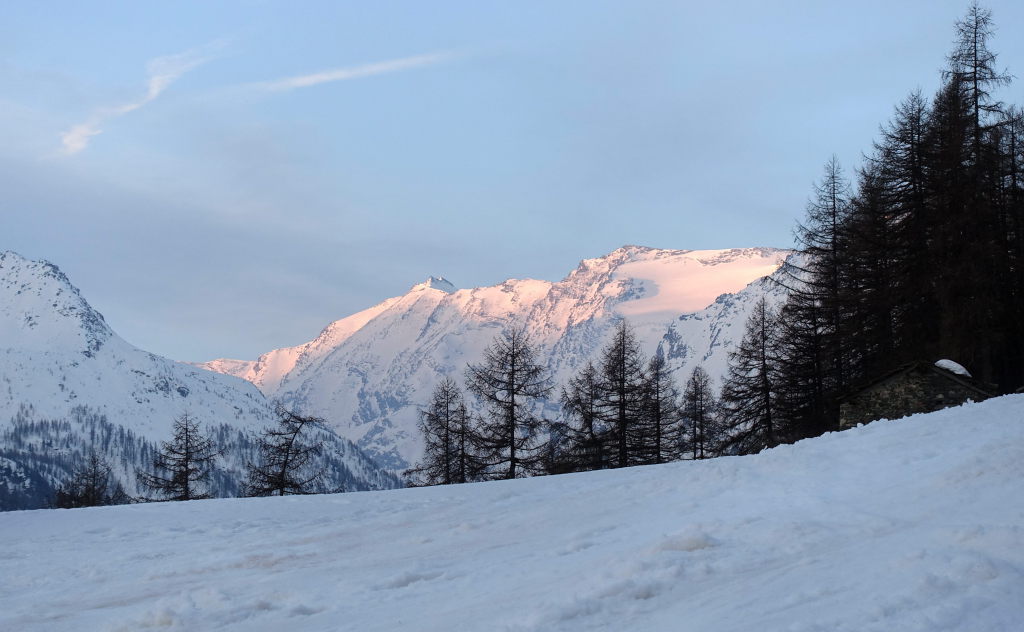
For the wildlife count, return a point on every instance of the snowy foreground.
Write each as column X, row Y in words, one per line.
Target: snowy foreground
column 910, row 525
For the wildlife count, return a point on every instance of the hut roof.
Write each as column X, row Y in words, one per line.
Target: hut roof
column 929, row 367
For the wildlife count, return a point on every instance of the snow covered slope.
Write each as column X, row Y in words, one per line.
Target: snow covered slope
column 57, row 352
column 915, row 525
column 368, row 373
column 59, row 360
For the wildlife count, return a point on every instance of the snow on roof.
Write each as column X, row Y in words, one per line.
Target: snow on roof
column 953, row 367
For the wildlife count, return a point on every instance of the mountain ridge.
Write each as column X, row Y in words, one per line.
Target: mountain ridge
column 60, row 363
column 366, row 373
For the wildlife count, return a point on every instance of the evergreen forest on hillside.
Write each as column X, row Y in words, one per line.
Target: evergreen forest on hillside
column 916, row 256
column 920, row 257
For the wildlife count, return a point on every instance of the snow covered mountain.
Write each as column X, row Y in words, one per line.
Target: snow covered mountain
column 56, row 352
column 61, row 362
column 913, row 525
column 367, row 373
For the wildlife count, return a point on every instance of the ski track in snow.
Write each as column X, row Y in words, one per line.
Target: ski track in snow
column 912, row 525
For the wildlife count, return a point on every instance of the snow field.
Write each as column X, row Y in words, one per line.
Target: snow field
column 689, row 281
column 916, row 524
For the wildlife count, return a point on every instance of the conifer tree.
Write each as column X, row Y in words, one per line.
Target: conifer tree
column 822, row 240
column 698, row 411
column 928, row 256
column 898, row 200
column 90, row 485
column 285, row 455
column 587, row 440
column 622, row 389
column 1011, row 219
column 508, row 383
column 750, row 420
column 182, row 466
column 446, row 426
column 658, row 435
column 973, row 66
column 801, row 384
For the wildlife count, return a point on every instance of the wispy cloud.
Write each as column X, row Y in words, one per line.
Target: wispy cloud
column 352, row 72
column 161, row 71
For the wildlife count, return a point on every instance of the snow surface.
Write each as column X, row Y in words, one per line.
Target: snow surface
column 953, row 367
column 687, row 281
column 368, row 374
column 912, row 525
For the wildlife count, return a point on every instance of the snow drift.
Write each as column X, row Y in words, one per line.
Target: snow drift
column 911, row 525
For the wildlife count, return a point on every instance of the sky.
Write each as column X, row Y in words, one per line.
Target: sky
column 222, row 179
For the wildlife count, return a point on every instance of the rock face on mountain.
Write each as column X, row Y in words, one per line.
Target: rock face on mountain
column 368, row 373
column 60, row 363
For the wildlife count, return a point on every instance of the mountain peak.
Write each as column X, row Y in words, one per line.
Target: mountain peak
column 435, row 283
column 13, row 264
column 631, row 249
column 41, row 309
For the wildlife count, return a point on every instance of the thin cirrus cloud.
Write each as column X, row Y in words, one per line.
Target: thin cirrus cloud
column 352, row 72
column 162, row 72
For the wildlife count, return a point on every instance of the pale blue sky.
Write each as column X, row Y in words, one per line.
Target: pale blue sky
column 224, row 178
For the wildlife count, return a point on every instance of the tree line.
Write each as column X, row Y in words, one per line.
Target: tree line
column 621, row 411
column 920, row 257
column 182, row 467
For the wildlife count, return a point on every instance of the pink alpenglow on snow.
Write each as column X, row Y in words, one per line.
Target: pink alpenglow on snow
column 368, row 373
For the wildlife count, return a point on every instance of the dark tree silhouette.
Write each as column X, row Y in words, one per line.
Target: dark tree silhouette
column 586, row 439
column 975, row 324
column 446, row 427
column 182, row 467
column 698, row 410
column 973, row 66
column 91, row 485
column 285, row 455
column 925, row 260
column 508, row 383
column 622, row 389
column 823, row 284
column 658, row 436
column 749, row 399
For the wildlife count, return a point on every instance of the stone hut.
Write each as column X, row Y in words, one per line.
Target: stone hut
column 919, row 387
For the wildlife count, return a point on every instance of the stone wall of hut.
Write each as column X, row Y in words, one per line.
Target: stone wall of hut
column 914, row 391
